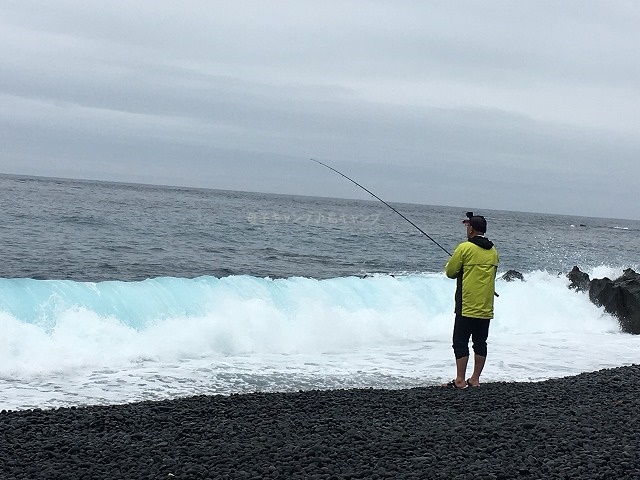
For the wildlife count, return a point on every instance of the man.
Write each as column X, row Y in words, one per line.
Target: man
column 474, row 264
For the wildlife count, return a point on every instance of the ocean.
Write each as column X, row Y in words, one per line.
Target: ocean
column 115, row 293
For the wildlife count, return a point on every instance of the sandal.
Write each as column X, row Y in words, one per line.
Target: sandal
column 452, row 385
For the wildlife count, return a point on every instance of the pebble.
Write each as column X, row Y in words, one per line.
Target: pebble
column 570, row 428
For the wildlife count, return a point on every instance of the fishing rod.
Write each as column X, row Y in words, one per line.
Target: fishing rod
column 396, row 211
column 378, row 198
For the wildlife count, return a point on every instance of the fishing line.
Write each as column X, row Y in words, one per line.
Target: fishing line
column 378, row 198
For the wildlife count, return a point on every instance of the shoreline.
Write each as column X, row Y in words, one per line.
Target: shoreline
column 584, row 426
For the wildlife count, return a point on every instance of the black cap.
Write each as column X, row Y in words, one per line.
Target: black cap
column 477, row 222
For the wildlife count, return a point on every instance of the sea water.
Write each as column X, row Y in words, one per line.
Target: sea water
column 113, row 293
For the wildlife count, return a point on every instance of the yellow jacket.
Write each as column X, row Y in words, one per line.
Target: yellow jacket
column 474, row 264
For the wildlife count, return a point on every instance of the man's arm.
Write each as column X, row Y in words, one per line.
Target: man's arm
column 454, row 265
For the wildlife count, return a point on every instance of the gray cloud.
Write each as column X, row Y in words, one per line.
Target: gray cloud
column 529, row 106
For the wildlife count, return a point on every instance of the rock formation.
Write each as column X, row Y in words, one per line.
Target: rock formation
column 619, row 297
column 512, row 275
column 579, row 280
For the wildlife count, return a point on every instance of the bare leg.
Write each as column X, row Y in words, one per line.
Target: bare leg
column 461, row 370
column 478, row 365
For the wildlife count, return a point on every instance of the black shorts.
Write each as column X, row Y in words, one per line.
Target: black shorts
column 466, row 327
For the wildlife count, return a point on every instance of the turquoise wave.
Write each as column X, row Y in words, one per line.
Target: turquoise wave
column 139, row 304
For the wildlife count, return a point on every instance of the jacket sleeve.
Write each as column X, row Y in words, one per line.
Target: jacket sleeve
column 454, row 265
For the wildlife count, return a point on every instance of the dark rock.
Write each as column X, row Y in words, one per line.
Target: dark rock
column 512, row 275
column 619, row 297
column 579, row 280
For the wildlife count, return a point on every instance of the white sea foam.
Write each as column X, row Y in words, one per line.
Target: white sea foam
column 71, row 343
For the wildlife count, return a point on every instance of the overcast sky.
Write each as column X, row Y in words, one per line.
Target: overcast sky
column 510, row 105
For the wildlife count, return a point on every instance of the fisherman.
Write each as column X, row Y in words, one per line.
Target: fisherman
column 473, row 264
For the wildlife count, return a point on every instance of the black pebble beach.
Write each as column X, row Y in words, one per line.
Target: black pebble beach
column 582, row 427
